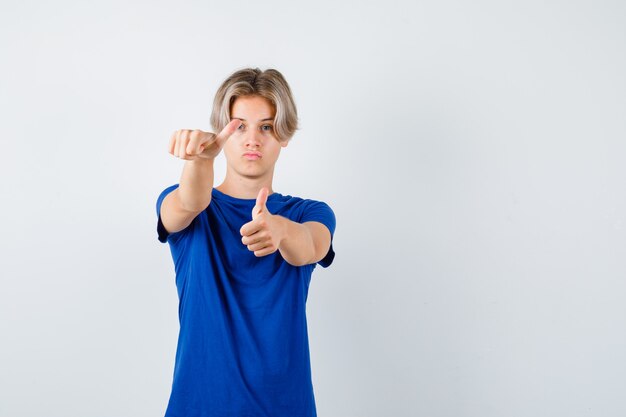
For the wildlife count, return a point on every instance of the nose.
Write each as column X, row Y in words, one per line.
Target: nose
column 252, row 139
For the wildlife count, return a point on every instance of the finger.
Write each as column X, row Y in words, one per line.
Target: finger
column 205, row 140
column 228, row 130
column 258, row 245
column 193, row 147
column 182, row 145
column 177, row 143
column 249, row 228
column 255, row 238
column 264, row 252
column 172, row 143
column 179, row 140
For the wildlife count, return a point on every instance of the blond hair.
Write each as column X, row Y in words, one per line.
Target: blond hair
column 269, row 84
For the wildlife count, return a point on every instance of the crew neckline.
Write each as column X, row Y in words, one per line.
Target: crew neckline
column 220, row 195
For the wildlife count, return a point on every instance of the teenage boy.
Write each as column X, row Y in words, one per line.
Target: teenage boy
column 243, row 257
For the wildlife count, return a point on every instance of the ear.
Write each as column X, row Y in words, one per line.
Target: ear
column 284, row 143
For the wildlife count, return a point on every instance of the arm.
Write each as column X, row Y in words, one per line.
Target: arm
column 303, row 243
column 299, row 244
column 193, row 195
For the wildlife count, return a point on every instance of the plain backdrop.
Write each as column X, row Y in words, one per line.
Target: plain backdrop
column 473, row 154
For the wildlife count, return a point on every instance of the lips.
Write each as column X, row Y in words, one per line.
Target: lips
column 257, row 154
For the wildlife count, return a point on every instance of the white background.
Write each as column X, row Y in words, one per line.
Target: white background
column 473, row 153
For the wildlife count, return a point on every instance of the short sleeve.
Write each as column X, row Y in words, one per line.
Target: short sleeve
column 162, row 234
column 321, row 212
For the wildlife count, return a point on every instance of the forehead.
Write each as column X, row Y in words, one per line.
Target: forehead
column 252, row 108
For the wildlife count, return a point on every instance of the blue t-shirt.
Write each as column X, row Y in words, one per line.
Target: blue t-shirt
column 243, row 348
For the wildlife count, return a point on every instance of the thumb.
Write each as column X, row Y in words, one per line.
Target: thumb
column 261, row 200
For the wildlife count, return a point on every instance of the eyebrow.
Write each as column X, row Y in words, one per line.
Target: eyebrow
column 262, row 120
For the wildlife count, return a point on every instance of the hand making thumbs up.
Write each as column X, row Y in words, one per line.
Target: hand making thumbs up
column 264, row 233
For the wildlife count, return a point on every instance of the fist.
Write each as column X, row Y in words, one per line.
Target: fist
column 196, row 144
column 264, row 233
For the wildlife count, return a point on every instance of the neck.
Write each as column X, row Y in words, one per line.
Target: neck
column 244, row 188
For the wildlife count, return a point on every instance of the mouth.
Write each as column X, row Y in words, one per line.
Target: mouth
column 252, row 156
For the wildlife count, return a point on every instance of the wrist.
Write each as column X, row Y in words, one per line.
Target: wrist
column 201, row 161
column 200, row 166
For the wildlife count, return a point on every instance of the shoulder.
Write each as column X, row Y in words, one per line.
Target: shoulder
column 317, row 210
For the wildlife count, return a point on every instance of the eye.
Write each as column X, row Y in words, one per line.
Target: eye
column 270, row 127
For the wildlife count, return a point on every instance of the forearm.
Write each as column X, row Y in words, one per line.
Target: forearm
column 296, row 246
column 196, row 184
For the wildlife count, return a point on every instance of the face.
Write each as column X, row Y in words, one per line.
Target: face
column 256, row 134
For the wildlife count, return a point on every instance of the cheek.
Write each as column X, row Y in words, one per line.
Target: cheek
column 272, row 154
column 230, row 144
column 228, row 154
